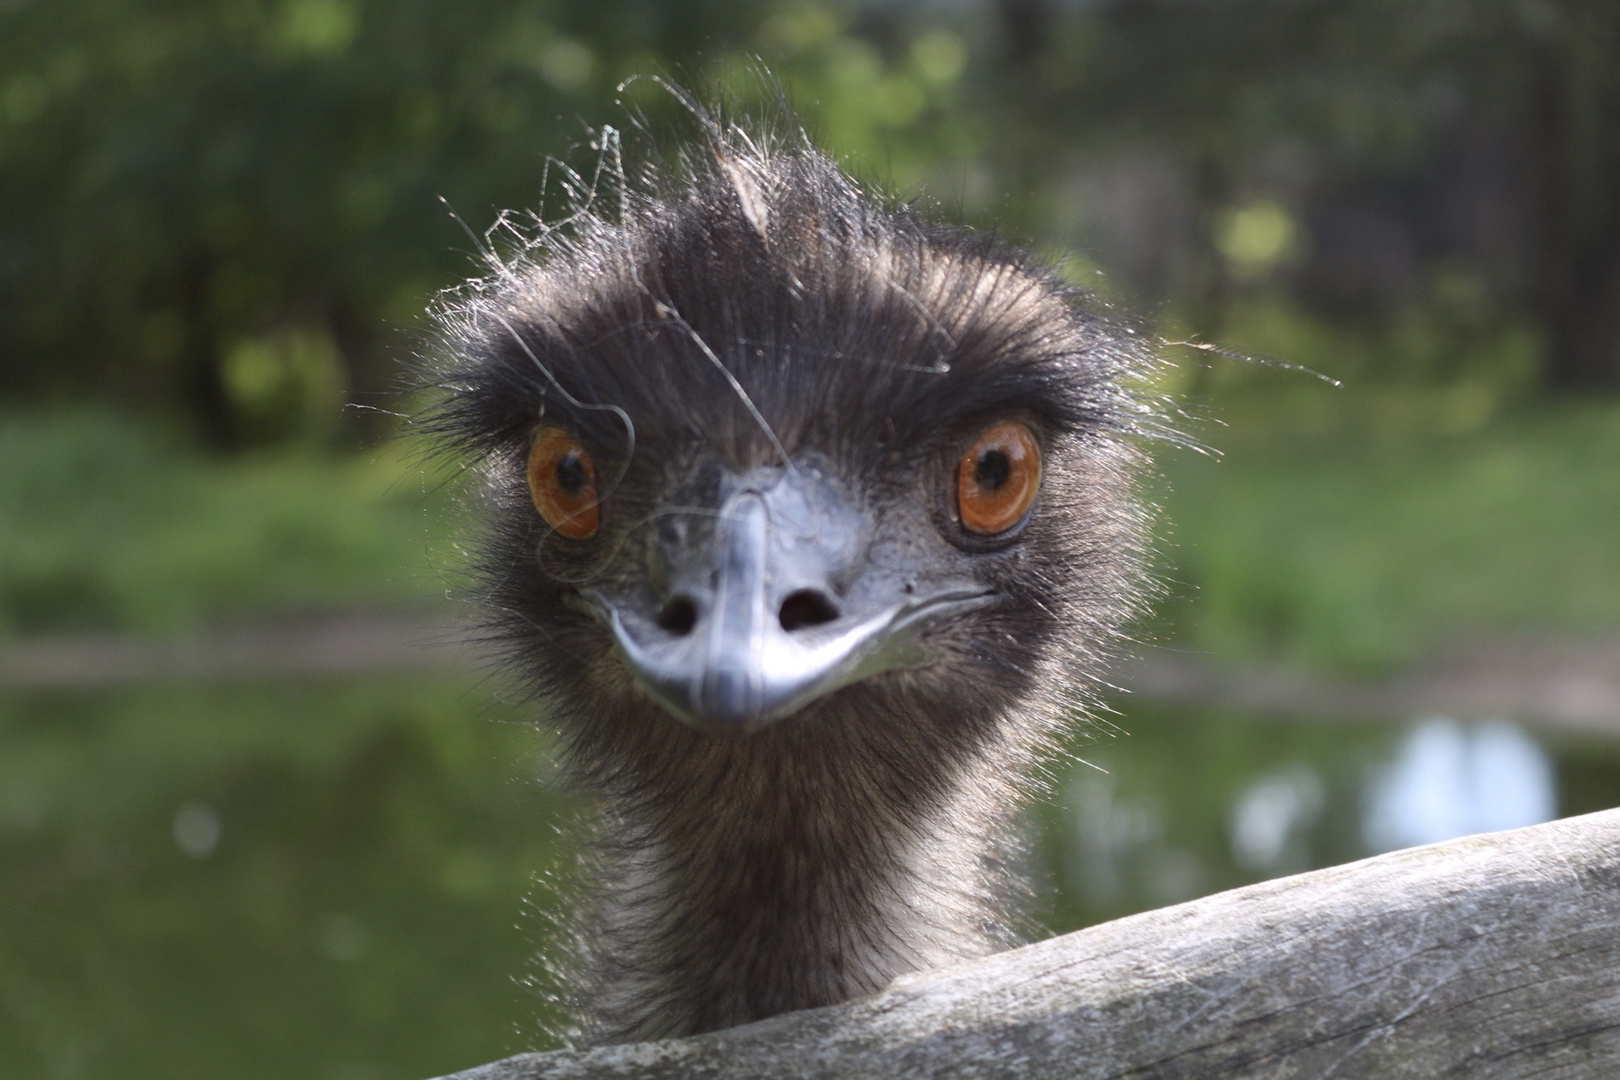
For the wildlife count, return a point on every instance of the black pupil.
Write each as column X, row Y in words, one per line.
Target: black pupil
column 571, row 474
column 993, row 469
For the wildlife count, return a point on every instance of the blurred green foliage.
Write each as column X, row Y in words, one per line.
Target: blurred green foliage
column 207, row 206
column 1362, row 534
column 227, row 210
column 107, row 525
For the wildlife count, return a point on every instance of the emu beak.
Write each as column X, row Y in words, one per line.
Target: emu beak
column 773, row 606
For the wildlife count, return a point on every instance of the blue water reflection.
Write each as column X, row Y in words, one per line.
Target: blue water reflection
column 1271, row 818
column 1191, row 804
column 1119, row 855
column 1451, row 780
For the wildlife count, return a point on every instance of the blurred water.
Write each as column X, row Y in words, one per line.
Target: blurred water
column 1270, row 818
column 196, row 829
column 330, row 879
column 1194, row 804
column 1450, row 780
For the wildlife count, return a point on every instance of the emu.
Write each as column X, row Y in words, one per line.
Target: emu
column 811, row 523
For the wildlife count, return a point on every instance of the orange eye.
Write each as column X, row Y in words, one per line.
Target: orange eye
column 562, row 483
column 997, row 479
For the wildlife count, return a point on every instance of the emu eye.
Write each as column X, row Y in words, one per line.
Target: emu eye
column 997, row 479
column 562, row 483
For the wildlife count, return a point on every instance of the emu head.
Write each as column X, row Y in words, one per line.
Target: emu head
column 759, row 441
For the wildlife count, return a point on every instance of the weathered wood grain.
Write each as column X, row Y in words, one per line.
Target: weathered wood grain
column 1489, row 957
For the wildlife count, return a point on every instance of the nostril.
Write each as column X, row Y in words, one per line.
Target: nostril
column 807, row 607
column 678, row 616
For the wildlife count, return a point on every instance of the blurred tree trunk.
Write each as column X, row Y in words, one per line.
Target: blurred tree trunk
column 1576, row 140
column 1025, row 27
column 204, row 382
column 371, row 379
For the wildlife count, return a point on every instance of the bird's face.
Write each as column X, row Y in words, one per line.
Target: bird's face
column 742, row 594
column 752, row 451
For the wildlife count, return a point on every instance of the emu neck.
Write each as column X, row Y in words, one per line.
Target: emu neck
column 788, row 870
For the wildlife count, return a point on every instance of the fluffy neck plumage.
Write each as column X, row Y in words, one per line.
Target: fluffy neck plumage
column 802, row 866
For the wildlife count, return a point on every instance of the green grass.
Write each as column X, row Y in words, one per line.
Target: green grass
column 1354, row 535
column 104, row 525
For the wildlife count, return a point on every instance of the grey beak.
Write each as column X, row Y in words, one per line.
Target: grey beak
column 779, row 609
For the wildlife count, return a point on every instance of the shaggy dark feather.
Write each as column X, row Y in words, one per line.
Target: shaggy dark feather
column 766, row 306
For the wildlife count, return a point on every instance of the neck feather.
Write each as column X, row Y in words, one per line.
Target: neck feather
column 799, row 867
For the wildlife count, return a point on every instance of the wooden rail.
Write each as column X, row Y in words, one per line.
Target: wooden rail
column 1488, row 957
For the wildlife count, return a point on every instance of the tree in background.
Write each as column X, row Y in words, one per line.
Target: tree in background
column 231, row 204
column 228, row 208
column 1439, row 169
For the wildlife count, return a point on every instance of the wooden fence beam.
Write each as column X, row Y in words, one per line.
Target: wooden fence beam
column 1488, row 957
